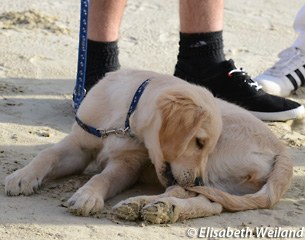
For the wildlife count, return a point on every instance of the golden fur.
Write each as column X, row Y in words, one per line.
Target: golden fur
column 248, row 169
column 185, row 133
column 176, row 125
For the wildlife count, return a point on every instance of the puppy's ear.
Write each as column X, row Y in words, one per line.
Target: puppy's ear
column 181, row 118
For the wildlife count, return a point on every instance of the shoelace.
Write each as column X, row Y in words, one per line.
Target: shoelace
column 289, row 61
column 243, row 76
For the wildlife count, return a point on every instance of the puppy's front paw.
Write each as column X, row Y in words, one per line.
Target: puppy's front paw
column 22, row 182
column 85, row 202
column 160, row 212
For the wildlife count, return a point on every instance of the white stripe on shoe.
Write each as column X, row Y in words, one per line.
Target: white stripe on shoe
column 287, row 75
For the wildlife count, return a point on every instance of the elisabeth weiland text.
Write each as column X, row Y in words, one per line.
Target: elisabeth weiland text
column 246, row 232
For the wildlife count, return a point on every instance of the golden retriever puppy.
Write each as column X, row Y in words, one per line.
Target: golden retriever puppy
column 248, row 169
column 168, row 122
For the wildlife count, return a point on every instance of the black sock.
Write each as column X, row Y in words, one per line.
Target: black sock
column 198, row 53
column 102, row 57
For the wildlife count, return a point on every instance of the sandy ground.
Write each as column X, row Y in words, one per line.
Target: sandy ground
column 38, row 50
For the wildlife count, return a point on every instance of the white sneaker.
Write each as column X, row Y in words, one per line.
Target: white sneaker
column 287, row 75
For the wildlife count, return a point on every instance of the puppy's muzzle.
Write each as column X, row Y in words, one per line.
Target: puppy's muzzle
column 168, row 174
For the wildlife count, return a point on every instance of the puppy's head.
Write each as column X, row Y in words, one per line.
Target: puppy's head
column 190, row 127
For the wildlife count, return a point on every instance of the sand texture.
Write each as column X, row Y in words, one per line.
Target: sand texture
column 39, row 42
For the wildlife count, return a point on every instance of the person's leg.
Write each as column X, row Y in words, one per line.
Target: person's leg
column 299, row 27
column 105, row 18
column 210, row 19
column 103, row 33
column 201, row 42
column 288, row 74
column 201, row 61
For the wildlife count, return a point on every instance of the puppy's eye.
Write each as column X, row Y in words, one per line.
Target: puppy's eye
column 200, row 143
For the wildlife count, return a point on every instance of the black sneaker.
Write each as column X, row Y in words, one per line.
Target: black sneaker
column 236, row 86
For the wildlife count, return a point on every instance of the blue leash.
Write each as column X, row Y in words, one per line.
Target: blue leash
column 79, row 89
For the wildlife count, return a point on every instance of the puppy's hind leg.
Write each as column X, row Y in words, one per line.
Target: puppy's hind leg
column 62, row 159
column 277, row 184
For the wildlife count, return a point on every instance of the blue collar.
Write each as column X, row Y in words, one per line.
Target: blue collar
column 102, row 133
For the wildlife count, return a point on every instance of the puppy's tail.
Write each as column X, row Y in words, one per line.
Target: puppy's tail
column 277, row 184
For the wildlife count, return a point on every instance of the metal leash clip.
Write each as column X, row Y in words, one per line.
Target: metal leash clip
column 120, row 132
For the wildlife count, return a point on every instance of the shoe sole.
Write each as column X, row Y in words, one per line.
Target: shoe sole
column 281, row 116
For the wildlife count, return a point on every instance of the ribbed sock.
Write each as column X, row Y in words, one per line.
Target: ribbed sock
column 198, row 53
column 102, row 57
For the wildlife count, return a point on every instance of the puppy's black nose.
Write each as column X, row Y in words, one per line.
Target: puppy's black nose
column 199, row 181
